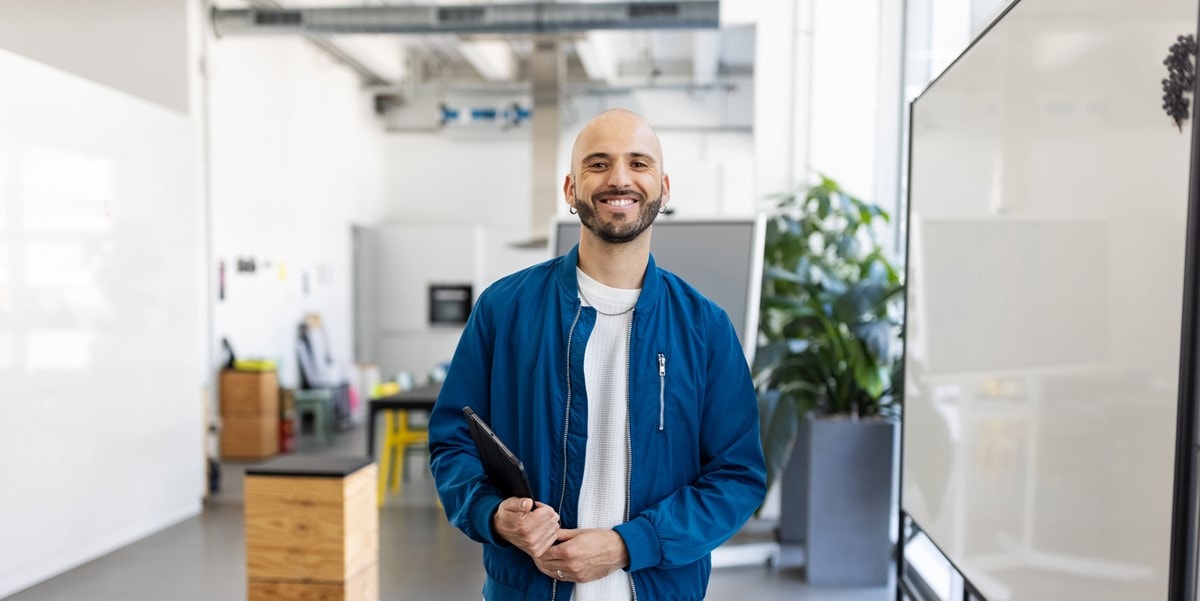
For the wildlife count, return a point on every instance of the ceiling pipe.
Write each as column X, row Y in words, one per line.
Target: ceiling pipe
column 523, row 18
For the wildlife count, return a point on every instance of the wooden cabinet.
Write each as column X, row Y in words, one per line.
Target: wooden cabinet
column 249, row 414
column 312, row 529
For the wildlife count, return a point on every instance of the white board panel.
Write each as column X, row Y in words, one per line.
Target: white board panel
column 1048, row 195
column 101, row 354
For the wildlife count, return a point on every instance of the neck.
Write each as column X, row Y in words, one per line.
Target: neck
column 614, row 265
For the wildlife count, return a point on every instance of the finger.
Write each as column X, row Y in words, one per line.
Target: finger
column 517, row 504
column 566, row 534
column 545, row 512
column 547, row 541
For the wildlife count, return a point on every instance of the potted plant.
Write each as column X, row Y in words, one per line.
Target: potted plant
column 826, row 369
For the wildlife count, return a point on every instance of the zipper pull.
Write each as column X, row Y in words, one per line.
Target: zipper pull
column 662, row 365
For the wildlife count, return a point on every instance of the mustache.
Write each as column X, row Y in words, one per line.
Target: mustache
column 607, row 194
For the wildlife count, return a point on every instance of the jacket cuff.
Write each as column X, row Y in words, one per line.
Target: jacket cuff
column 481, row 519
column 645, row 550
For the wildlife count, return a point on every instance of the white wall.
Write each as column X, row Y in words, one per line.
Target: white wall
column 296, row 158
column 100, row 302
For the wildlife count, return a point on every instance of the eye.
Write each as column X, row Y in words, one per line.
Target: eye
column 597, row 165
column 639, row 164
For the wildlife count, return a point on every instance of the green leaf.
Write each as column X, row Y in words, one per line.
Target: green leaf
column 860, row 299
column 779, row 430
column 780, row 273
column 876, row 336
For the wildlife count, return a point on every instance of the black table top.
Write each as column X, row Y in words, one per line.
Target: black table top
column 310, row 466
column 421, row 397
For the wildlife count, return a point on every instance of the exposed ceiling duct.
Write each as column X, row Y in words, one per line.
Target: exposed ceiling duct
column 525, row 18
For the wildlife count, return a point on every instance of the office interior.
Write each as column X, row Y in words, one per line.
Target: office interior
column 166, row 186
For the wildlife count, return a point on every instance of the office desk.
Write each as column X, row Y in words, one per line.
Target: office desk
column 419, row 398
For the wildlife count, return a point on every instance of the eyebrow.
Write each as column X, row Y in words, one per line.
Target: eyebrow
column 604, row 155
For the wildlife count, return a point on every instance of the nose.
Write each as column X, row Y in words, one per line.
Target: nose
column 620, row 176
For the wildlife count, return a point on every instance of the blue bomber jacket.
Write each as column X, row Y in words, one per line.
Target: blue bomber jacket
column 696, row 470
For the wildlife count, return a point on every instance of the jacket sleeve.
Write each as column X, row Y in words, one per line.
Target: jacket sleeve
column 457, row 471
column 690, row 523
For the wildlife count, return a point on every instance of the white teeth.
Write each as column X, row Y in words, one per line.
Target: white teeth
column 620, row 202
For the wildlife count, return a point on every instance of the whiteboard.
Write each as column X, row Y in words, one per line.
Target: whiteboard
column 1048, row 196
column 719, row 256
column 101, row 321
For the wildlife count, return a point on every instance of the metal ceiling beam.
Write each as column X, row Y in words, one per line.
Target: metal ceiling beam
column 524, row 18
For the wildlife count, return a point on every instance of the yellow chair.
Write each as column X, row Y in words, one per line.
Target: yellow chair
column 399, row 437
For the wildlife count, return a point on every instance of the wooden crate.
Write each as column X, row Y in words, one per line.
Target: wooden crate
column 252, row 437
column 311, row 529
column 249, row 392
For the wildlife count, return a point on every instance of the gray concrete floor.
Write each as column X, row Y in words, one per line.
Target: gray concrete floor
column 421, row 555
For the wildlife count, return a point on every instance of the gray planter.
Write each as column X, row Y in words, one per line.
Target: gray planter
column 836, row 499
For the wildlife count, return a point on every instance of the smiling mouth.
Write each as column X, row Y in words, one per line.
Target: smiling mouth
column 619, row 198
column 619, row 202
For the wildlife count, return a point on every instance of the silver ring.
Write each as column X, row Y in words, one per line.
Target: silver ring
column 559, row 574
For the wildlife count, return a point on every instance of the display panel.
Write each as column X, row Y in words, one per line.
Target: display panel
column 1047, row 222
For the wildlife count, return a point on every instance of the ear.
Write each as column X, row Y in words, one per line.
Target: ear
column 569, row 190
column 666, row 189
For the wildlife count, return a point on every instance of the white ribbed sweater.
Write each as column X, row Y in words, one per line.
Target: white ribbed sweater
column 606, row 469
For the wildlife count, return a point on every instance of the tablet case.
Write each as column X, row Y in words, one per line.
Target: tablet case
column 504, row 470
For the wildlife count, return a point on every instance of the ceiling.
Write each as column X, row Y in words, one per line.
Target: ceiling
column 600, row 57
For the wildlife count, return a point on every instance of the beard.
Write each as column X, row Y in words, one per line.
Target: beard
column 618, row 230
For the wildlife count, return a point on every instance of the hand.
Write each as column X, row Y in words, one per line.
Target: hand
column 529, row 526
column 584, row 555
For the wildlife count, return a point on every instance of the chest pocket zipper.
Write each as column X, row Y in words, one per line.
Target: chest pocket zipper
column 662, row 388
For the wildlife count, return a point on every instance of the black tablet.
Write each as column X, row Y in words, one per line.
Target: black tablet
column 504, row 470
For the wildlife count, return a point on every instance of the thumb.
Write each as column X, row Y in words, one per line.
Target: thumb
column 526, row 505
column 565, row 534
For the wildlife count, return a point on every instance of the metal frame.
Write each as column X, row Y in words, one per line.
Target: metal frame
column 1182, row 585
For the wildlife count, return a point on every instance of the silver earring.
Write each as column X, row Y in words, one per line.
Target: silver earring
column 662, row 210
column 573, row 210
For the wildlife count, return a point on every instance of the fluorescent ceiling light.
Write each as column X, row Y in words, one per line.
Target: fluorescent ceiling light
column 493, row 59
column 595, row 52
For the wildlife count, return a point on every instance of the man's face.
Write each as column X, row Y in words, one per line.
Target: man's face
column 617, row 184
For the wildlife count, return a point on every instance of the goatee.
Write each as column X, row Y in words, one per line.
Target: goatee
column 618, row 231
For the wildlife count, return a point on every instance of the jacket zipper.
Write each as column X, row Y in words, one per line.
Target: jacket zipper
column 562, row 495
column 629, row 435
column 662, row 388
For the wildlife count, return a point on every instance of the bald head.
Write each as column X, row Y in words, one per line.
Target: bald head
column 616, row 132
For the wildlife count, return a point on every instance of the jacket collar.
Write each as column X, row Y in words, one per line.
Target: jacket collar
column 569, row 281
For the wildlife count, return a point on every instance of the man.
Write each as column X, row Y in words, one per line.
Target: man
column 622, row 389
